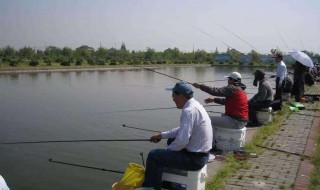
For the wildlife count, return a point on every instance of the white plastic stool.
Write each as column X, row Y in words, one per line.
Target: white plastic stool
column 190, row 180
column 229, row 139
column 264, row 115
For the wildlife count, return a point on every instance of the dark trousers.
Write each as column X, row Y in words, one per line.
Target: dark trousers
column 298, row 90
column 279, row 89
column 255, row 106
column 160, row 158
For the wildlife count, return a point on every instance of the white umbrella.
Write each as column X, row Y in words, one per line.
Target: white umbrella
column 302, row 58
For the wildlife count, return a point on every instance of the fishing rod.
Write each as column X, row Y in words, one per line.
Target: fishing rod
column 149, row 109
column 210, row 36
column 214, row 111
column 83, row 166
column 124, row 125
column 283, row 151
column 162, row 74
column 282, row 38
column 71, row 141
column 238, row 38
column 221, row 80
column 235, row 35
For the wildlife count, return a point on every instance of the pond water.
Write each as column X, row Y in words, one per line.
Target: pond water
column 88, row 105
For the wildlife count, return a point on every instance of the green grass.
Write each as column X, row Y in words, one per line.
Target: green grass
column 230, row 166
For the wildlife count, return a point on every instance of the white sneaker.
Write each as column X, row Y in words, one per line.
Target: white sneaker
column 211, row 158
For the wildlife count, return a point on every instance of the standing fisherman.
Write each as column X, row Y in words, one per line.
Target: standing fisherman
column 298, row 81
column 281, row 75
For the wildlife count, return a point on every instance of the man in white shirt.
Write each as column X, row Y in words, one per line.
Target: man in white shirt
column 281, row 75
column 192, row 139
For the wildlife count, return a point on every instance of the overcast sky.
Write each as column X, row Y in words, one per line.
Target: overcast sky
column 162, row 24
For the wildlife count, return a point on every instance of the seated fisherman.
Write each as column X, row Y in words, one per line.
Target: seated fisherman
column 192, row 139
column 235, row 100
column 262, row 99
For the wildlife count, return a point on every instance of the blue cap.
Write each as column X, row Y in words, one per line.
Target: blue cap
column 182, row 88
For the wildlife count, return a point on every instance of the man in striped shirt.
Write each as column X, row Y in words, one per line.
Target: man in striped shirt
column 192, row 139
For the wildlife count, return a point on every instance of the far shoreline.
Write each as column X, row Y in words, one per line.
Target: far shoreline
column 97, row 68
column 14, row 70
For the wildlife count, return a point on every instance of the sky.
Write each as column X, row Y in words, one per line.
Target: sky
column 189, row 25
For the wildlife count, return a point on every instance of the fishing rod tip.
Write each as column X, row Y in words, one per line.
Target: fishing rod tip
column 123, row 125
column 50, row 159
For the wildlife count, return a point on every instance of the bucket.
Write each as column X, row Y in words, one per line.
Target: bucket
column 132, row 178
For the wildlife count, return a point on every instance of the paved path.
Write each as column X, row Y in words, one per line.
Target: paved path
column 280, row 166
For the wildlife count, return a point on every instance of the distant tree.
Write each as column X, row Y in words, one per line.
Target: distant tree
column 123, row 47
column 8, row 51
column 200, row 55
column 53, row 51
column 40, row 54
column 255, row 56
column 150, row 54
column 102, row 52
column 26, row 52
column 66, row 52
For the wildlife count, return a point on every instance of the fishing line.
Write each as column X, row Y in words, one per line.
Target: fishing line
column 71, row 141
column 148, row 109
column 142, row 129
column 83, row 166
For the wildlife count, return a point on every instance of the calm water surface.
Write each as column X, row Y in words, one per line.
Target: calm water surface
column 84, row 105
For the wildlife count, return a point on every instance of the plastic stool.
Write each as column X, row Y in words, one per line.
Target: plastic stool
column 187, row 180
column 229, row 139
column 264, row 115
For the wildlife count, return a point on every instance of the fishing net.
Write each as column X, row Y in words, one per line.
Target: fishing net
column 132, row 178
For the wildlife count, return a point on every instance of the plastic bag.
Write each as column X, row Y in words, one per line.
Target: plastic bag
column 132, row 178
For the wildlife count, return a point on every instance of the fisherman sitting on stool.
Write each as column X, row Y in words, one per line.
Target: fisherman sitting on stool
column 262, row 99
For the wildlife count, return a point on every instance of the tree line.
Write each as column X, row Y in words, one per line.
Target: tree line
column 104, row 56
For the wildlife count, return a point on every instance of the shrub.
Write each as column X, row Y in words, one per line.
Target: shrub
column 65, row 63
column 79, row 61
column 13, row 62
column 91, row 61
column 100, row 62
column 113, row 62
column 47, row 61
column 34, row 62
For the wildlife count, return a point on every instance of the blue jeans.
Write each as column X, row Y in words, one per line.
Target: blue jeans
column 160, row 158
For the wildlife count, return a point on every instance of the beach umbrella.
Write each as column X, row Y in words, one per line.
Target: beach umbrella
column 303, row 58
